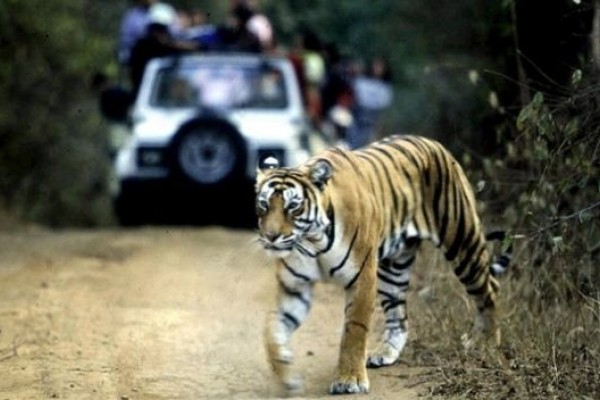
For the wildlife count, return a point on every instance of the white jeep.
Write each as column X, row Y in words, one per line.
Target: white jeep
column 200, row 125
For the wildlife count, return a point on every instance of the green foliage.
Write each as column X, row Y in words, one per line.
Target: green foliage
column 349, row 24
column 51, row 142
column 547, row 181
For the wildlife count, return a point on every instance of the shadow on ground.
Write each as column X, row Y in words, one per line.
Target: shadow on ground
column 180, row 205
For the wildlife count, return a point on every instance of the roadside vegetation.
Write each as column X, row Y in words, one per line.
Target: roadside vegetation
column 546, row 189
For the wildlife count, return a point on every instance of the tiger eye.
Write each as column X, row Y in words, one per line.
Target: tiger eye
column 262, row 206
column 297, row 208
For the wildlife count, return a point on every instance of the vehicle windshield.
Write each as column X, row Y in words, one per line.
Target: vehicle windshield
column 220, row 86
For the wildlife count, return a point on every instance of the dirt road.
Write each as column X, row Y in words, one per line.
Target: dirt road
column 153, row 313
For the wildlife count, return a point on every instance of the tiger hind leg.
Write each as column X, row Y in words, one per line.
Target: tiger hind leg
column 486, row 318
column 393, row 279
column 473, row 270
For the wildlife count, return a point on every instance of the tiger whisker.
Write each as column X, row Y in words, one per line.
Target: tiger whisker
column 306, row 248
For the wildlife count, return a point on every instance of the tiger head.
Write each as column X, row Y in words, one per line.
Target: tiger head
column 291, row 206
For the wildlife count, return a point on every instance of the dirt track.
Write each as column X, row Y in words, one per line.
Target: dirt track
column 153, row 313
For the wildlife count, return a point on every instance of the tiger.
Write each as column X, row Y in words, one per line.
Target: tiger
column 356, row 218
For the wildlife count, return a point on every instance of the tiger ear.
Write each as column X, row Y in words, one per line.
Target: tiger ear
column 320, row 173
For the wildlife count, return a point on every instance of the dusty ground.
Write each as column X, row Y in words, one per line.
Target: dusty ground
column 153, row 313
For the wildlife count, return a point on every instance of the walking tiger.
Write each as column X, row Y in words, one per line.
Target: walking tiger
column 357, row 218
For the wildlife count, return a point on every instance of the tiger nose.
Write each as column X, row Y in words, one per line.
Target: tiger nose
column 271, row 236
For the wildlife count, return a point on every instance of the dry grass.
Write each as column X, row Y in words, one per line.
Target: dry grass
column 551, row 335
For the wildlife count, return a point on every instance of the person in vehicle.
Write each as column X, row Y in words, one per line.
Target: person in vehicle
column 179, row 93
column 133, row 28
column 259, row 25
column 234, row 34
column 158, row 42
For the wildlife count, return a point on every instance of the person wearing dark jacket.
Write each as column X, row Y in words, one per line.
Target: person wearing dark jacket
column 234, row 34
column 158, row 42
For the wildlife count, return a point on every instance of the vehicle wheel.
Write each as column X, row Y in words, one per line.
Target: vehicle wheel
column 132, row 205
column 241, row 212
column 209, row 154
column 126, row 212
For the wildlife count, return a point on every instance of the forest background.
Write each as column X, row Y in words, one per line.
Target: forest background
column 510, row 86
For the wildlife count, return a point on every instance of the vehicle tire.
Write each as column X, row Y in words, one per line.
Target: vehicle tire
column 139, row 203
column 240, row 209
column 126, row 206
column 208, row 152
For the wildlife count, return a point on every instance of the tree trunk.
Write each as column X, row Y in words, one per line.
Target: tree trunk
column 524, row 90
column 595, row 37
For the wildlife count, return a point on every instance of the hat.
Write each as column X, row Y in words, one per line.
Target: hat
column 161, row 13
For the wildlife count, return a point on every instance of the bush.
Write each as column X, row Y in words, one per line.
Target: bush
column 51, row 141
column 549, row 179
column 547, row 183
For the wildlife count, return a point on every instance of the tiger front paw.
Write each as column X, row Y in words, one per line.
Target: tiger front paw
column 349, row 384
